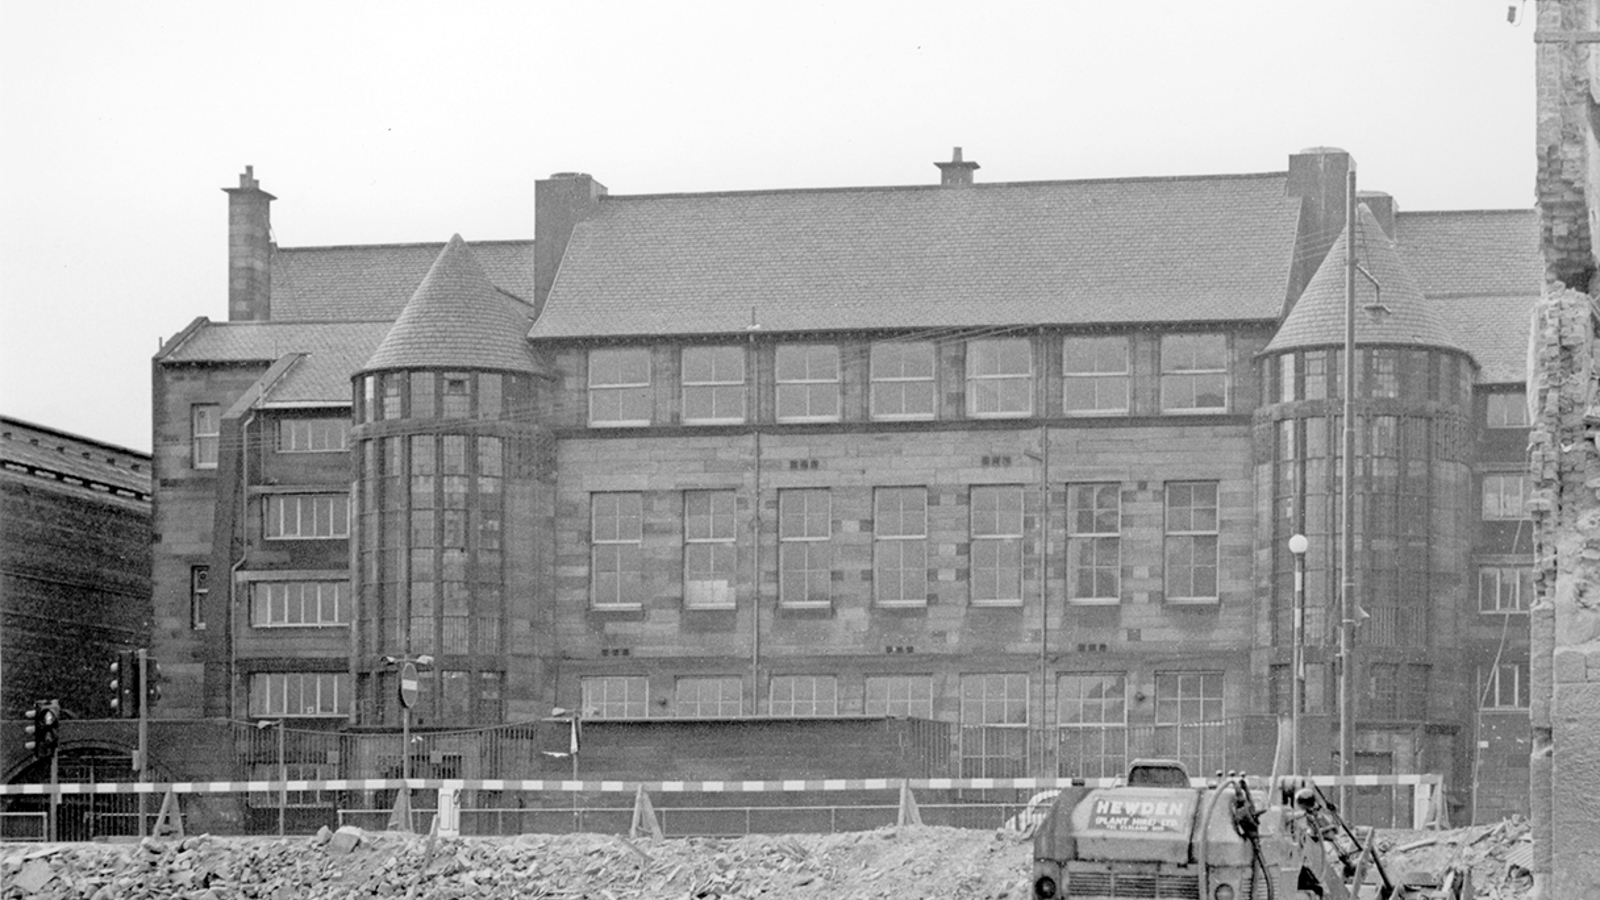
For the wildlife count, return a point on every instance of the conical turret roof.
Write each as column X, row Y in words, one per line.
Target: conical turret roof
column 455, row 319
column 1317, row 319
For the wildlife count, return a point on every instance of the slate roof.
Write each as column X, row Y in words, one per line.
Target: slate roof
column 372, row 282
column 1318, row 317
column 1213, row 248
column 91, row 462
column 333, row 352
column 1495, row 331
column 1489, row 253
column 456, row 318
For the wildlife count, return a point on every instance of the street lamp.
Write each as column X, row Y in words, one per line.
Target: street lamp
column 1297, row 546
column 283, row 771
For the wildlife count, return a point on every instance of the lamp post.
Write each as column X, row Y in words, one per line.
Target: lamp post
column 283, row 771
column 1297, row 546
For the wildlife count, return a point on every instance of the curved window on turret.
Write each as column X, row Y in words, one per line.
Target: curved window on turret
column 1320, row 380
column 1288, row 384
column 456, row 388
column 394, row 385
column 422, row 395
column 1382, row 372
column 488, row 395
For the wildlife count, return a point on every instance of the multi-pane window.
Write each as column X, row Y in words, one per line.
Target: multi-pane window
column 710, row 551
column 709, row 698
column 994, row 720
column 1504, row 686
column 455, row 389
column 1191, row 541
column 299, row 516
column 996, row 564
column 205, row 425
column 902, row 380
column 1506, row 496
column 199, row 590
column 713, row 385
column 299, row 694
column 900, row 545
column 1092, row 711
column 1094, row 543
column 1505, row 589
column 1000, row 377
column 616, row 696
column 312, row 435
column 619, row 387
column 900, row 695
column 393, row 384
column 808, row 383
column 1094, row 375
column 1383, row 373
column 1194, row 372
column 804, row 695
column 805, row 566
column 275, row 604
column 616, row 538
column 1189, row 722
column 1398, row 691
column 1508, row 410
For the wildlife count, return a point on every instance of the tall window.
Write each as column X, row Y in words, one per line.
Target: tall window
column 278, row 604
column 1194, row 373
column 1505, row 589
column 394, row 384
column 291, row 694
column 616, row 538
column 713, row 385
column 1506, row 496
column 616, row 696
column 312, row 435
column 900, row 695
column 994, row 725
column 996, row 563
column 1094, row 543
column 804, row 695
column 1504, row 686
column 1094, row 375
column 710, row 551
column 902, row 380
column 619, row 387
column 1508, row 410
column 1189, row 723
column 709, row 698
column 999, row 378
column 900, row 546
column 1191, row 542
column 205, row 425
column 199, row 590
column 808, row 383
column 301, row 516
column 1383, row 375
column 805, row 559
column 1092, row 711
column 1398, row 691
column 424, row 395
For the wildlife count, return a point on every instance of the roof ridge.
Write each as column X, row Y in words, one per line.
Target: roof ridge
column 991, row 185
column 409, row 245
column 1456, row 212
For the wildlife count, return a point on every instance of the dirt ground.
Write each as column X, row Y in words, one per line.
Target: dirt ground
column 903, row 863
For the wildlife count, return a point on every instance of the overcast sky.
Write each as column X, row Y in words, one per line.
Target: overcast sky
column 400, row 121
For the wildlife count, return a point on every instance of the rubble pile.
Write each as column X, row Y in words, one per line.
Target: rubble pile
column 921, row 861
column 903, row 862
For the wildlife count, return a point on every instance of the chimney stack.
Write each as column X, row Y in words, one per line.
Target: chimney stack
column 560, row 202
column 955, row 173
column 249, row 250
column 1383, row 209
column 1319, row 177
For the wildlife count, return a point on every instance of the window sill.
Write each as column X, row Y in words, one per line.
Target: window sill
column 900, row 604
column 1008, row 414
column 298, row 625
column 807, row 604
column 1194, row 601
column 807, row 420
column 1093, row 413
column 997, row 604
column 615, row 607
column 1194, row 411
column 1096, row 601
column 621, row 423
column 710, row 607
column 909, row 417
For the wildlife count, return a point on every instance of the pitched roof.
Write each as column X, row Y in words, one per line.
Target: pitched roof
column 456, row 319
column 372, row 282
column 333, row 351
column 1318, row 316
column 1490, row 253
column 84, row 461
column 1495, row 331
column 1117, row 251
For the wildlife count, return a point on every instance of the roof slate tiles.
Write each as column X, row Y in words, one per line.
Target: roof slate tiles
column 456, row 318
column 372, row 283
column 1134, row 250
column 334, row 351
column 1318, row 317
column 1492, row 253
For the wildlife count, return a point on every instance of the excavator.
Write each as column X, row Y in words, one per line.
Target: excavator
column 1158, row 836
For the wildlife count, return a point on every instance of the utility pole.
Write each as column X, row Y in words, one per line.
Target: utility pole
column 144, row 733
column 1347, row 587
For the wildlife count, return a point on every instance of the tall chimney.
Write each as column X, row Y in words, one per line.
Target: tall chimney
column 560, row 202
column 249, row 250
column 955, row 173
column 1383, row 209
column 1319, row 177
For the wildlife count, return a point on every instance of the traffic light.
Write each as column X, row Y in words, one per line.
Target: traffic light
column 154, row 680
column 125, row 685
column 43, row 722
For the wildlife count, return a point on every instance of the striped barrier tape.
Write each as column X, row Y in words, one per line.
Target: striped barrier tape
column 629, row 787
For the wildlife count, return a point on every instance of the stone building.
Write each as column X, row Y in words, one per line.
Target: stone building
column 74, row 570
column 1021, row 458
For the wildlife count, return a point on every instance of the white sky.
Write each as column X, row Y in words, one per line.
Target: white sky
column 405, row 121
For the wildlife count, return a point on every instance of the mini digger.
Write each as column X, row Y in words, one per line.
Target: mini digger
column 1157, row 836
